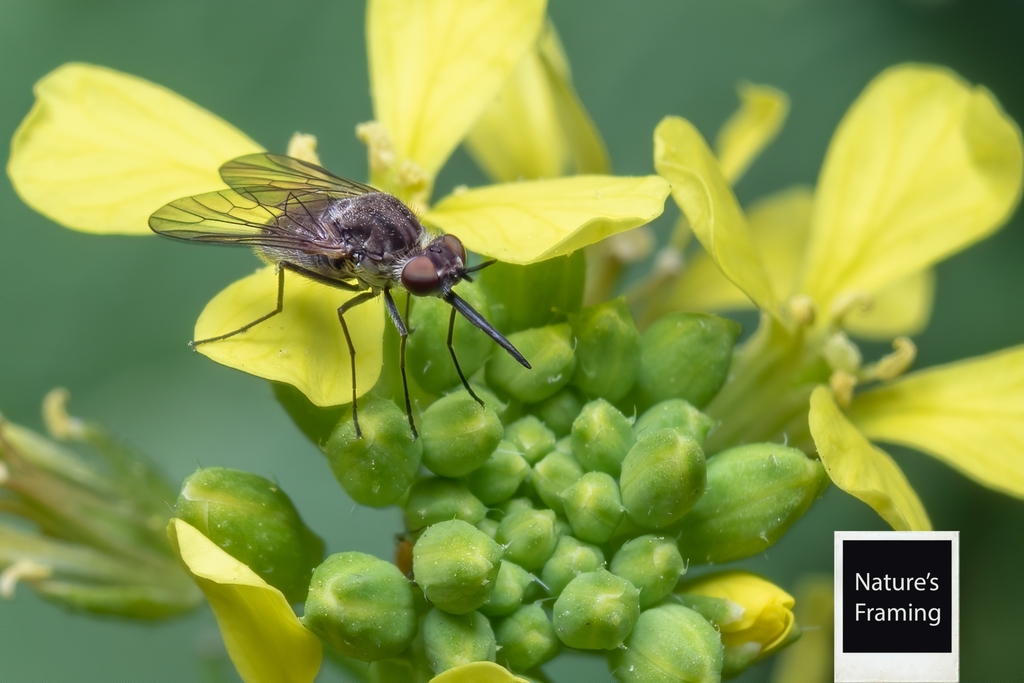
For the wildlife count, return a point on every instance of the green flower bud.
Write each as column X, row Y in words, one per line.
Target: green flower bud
column 529, row 537
column 508, row 591
column 513, row 505
column 488, row 526
column 596, row 611
column 456, row 565
column 427, row 353
column 435, row 499
column 535, row 295
column 669, row 643
column 652, row 564
column 362, row 606
column 549, row 350
column 498, row 478
column 663, row 475
column 556, row 472
column 594, row 507
column 376, row 468
column 755, row 493
column 559, row 411
column 451, row 640
column 571, row 558
column 531, row 436
column 252, row 520
column 526, row 639
column 678, row 414
column 685, row 355
column 754, row 616
column 607, row 350
column 601, row 437
column 458, row 434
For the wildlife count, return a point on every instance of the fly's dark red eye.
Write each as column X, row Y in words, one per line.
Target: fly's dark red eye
column 419, row 276
column 455, row 244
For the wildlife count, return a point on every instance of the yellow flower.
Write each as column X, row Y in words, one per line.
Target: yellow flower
column 757, row 619
column 922, row 166
column 263, row 637
column 101, row 151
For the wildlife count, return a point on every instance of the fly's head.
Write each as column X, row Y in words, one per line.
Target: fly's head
column 436, row 269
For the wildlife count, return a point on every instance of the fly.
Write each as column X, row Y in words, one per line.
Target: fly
column 305, row 220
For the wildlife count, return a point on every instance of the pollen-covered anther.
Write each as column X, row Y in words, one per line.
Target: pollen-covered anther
column 841, row 353
column 381, row 149
column 303, row 146
column 59, row 424
column 413, row 185
column 847, row 303
column 802, row 310
column 896, row 363
column 22, row 570
column 842, row 384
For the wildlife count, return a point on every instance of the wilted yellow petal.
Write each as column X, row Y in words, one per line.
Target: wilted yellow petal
column 920, row 167
column 101, row 150
column 263, row 637
column 902, row 308
column 435, row 66
column 860, row 469
column 969, row 414
column 682, row 157
column 304, row 345
column 535, row 220
column 537, row 126
column 478, row 672
column 752, row 128
column 779, row 224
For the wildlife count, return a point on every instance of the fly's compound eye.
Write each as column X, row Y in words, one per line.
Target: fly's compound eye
column 419, row 276
column 455, row 244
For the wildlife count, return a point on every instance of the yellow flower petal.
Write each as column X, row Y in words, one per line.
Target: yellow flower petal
column 435, row 66
column 860, row 469
column 263, row 637
column 779, row 224
column 902, row 308
column 767, row 615
column 537, row 126
column 535, row 220
column 920, row 167
column 478, row 672
column 969, row 414
column 304, row 345
column 682, row 157
column 101, row 150
column 753, row 127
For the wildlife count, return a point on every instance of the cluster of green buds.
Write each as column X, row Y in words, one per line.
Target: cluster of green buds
column 559, row 512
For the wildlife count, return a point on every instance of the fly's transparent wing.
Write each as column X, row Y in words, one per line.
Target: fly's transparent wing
column 273, row 179
column 274, row 201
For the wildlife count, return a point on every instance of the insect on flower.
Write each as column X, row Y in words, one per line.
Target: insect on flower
column 301, row 218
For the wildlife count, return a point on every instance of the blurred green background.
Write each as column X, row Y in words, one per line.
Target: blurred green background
column 108, row 317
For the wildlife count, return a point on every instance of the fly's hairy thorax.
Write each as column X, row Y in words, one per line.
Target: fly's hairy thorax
column 366, row 238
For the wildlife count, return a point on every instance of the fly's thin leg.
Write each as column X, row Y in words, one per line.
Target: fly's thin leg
column 403, row 332
column 257, row 321
column 458, row 368
column 350, row 304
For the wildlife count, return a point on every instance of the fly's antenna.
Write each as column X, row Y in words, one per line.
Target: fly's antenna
column 464, row 274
